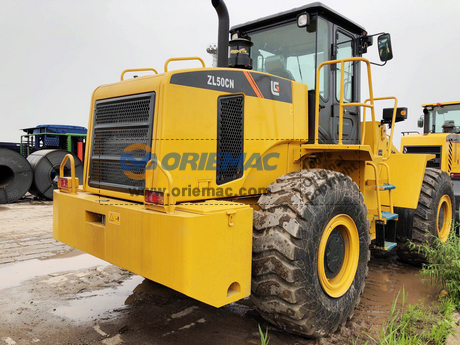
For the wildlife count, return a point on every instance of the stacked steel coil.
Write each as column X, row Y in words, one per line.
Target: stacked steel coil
column 46, row 165
column 16, row 176
column 37, row 174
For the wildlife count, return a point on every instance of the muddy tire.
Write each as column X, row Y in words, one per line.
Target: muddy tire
column 433, row 216
column 288, row 287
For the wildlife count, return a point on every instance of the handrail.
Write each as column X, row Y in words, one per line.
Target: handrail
column 72, row 165
column 389, row 182
column 183, row 59
column 169, row 200
column 379, row 205
column 137, row 70
column 73, row 181
column 342, row 104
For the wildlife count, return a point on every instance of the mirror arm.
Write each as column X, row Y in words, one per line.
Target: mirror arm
column 378, row 64
column 380, row 33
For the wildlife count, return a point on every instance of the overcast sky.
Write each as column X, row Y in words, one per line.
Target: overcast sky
column 55, row 53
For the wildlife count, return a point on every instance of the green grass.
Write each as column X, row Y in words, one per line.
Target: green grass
column 420, row 324
column 417, row 324
column 443, row 267
column 264, row 339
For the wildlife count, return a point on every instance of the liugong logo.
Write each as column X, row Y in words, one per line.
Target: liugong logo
column 275, row 88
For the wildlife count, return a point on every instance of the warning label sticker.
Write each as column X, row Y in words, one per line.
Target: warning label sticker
column 114, row 218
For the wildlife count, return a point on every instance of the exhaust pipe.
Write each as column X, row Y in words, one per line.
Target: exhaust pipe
column 224, row 28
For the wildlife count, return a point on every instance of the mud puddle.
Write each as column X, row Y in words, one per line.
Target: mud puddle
column 14, row 274
column 77, row 298
column 387, row 278
column 90, row 304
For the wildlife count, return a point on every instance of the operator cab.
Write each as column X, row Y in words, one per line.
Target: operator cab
column 294, row 43
column 441, row 118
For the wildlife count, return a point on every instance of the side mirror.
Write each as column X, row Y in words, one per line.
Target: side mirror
column 384, row 44
column 420, row 122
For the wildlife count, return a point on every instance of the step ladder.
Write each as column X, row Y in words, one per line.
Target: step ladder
column 385, row 221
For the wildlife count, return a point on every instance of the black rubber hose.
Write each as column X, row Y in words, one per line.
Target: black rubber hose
column 224, row 28
column 15, row 176
column 46, row 164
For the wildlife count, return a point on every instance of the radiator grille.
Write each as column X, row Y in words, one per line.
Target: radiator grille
column 433, row 150
column 110, row 142
column 122, row 125
column 136, row 110
column 230, row 139
column 111, row 173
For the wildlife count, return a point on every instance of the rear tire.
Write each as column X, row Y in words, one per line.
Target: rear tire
column 292, row 287
column 433, row 216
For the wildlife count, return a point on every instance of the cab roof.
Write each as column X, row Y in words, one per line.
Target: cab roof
column 439, row 104
column 313, row 8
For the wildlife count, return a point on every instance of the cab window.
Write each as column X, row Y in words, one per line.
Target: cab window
column 286, row 51
column 344, row 51
column 445, row 119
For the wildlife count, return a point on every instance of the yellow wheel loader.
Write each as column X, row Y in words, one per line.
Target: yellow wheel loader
column 441, row 140
column 265, row 175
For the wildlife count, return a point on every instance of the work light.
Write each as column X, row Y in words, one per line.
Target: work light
column 302, row 20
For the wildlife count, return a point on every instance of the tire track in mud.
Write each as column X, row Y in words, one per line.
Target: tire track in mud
column 388, row 278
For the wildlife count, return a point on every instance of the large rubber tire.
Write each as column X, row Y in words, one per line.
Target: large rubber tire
column 15, row 176
column 46, row 164
column 293, row 215
column 436, row 184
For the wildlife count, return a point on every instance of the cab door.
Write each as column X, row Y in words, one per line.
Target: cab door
column 324, row 48
column 345, row 47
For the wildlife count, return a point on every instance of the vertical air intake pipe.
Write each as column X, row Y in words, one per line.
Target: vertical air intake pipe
column 224, row 28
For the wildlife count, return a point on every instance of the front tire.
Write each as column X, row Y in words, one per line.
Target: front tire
column 310, row 252
column 433, row 216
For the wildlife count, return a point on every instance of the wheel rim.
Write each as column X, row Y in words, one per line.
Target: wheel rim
column 444, row 218
column 338, row 255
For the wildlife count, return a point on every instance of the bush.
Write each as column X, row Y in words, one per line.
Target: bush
column 417, row 324
column 443, row 267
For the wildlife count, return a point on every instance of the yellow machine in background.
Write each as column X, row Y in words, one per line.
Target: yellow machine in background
column 265, row 175
column 441, row 137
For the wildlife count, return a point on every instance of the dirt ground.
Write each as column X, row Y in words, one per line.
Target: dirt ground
column 53, row 294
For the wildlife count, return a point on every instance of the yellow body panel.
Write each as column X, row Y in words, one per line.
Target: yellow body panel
column 195, row 110
column 196, row 253
column 350, row 160
column 450, row 150
column 407, row 172
column 203, row 249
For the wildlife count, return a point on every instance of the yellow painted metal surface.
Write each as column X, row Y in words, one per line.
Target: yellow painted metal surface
column 202, row 247
column 200, row 255
column 449, row 143
column 284, row 127
column 407, row 172
column 68, row 184
column 337, row 286
column 450, row 157
column 445, row 211
column 436, row 104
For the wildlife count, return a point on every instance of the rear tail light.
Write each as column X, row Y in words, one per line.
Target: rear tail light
column 63, row 182
column 153, row 197
column 455, row 175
